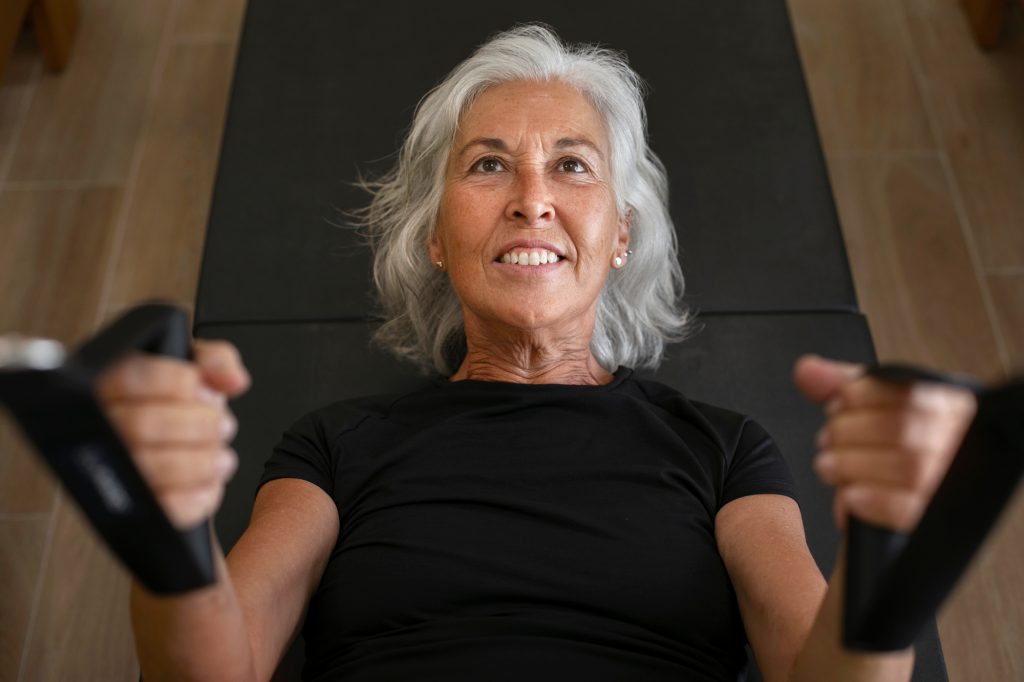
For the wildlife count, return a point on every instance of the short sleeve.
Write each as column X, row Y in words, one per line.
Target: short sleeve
column 302, row 452
column 756, row 467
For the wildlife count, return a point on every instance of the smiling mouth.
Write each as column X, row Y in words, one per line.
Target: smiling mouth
column 529, row 257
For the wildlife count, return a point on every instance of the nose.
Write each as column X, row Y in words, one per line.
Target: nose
column 531, row 202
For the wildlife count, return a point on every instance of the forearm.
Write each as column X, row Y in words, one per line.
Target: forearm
column 197, row 636
column 824, row 657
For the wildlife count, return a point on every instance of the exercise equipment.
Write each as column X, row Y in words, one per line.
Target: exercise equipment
column 896, row 581
column 52, row 397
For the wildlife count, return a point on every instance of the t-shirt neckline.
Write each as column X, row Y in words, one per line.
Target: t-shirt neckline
column 620, row 375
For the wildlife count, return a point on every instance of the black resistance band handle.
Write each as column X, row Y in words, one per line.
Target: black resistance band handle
column 896, row 582
column 56, row 405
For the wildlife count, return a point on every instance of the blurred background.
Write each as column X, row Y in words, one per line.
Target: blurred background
column 106, row 174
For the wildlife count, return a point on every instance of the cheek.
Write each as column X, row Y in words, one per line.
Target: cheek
column 596, row 229
column 465, row 220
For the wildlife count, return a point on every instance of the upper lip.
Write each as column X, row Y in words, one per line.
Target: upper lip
column 530, row 244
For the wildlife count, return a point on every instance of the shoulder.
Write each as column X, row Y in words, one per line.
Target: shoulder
column 726, row 426
column 330, row 420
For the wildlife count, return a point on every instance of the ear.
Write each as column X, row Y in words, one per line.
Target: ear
column 625, row 223
column 434, row 248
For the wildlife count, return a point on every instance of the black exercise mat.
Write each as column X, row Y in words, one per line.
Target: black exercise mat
column 742, row 362
column 324, row 89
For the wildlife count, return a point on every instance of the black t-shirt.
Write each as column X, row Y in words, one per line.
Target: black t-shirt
column 496, row 531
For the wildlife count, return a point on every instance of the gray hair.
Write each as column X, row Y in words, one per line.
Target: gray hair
column 639, row 309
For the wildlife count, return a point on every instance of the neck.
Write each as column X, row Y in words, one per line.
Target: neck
column 530, row 357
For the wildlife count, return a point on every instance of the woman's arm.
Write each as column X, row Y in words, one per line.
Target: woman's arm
column 885, row 447
column 196, row 636
column 823, row 650
column 791, row 616
column 240, row 628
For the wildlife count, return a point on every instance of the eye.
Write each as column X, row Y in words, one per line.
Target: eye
column 488, row 164
column 572, row 165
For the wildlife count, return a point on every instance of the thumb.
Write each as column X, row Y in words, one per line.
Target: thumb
column 221, row 367
column 819, row 378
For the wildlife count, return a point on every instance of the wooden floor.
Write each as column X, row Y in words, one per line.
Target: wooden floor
column 105, row 180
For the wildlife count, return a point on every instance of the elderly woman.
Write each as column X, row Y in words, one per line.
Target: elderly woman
column 539, row 511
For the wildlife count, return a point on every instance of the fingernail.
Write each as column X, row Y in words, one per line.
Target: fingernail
column 227, row 426
column 226, row 462
column 825, row 466
column 822, row 438
column 833, row 405
column 208, row 395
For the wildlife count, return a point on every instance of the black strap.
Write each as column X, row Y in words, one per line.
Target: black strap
column 896, row 582
column 59, row 412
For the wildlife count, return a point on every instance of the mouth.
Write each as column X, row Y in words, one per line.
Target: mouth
column 531, row 257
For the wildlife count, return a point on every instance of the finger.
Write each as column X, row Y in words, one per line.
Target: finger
column 142, row 376
column 187, row 508
column 870, row 392
column 143, row 425
column 878, row 465
column 221, row 366
column 892, row 508
column 900, row 428
column 819, row 378
column 167, row 468
column 919, row 396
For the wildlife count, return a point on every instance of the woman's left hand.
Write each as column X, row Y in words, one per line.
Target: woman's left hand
column 885, row 446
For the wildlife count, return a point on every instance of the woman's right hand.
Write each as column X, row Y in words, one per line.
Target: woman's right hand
column 173, row 417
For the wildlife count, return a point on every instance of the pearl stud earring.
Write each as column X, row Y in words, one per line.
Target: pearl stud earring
column 618, row 262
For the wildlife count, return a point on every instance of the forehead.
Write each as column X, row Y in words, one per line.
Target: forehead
column 552, row 109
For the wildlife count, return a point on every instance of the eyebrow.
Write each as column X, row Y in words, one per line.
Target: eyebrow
column 567, row 142
column 498, row 144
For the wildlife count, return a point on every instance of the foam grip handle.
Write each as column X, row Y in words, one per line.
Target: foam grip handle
column 896, row 582
column 59, row 412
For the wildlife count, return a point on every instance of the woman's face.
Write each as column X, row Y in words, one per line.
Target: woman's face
column 528, row 174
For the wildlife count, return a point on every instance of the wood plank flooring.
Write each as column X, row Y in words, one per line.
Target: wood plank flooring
column 106, row 174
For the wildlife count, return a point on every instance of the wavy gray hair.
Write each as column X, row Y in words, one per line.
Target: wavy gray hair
column 639, row 309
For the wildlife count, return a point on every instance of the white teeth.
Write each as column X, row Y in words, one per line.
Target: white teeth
column 533, row 257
